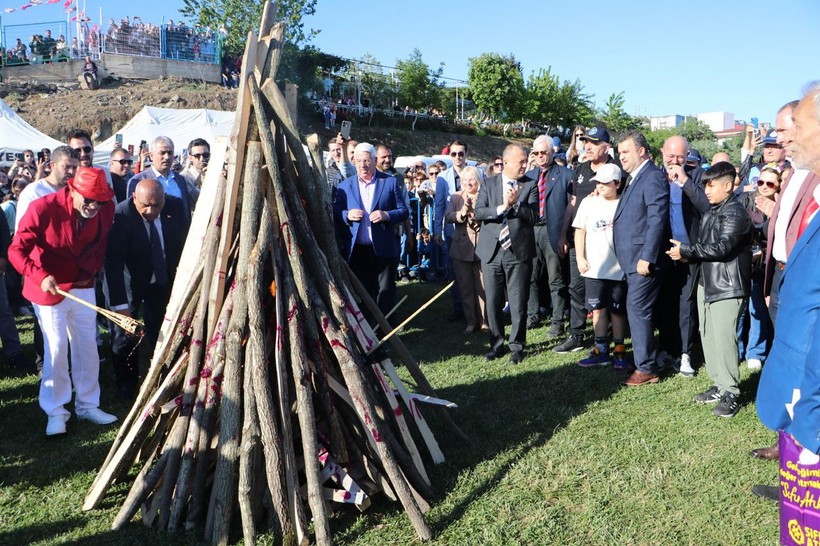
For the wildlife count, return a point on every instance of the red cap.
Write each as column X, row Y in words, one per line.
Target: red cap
column 90, row 182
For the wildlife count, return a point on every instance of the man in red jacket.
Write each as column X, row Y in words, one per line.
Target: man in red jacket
column 61, row 243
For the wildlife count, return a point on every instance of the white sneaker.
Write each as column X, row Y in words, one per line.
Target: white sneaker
column 96, row 416
column 686, row 368
column 754, row 364
column 56, row 425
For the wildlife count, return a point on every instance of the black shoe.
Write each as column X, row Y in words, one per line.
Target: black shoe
column 728, row 406
column 768, row 492
column 709, row 396
column 516, row 357
column 494, row 353
column 556, row 330
column 570, row 345
column 533, row 322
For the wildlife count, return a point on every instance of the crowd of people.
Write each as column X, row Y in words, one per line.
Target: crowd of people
column 659, row 246
column 110, row 237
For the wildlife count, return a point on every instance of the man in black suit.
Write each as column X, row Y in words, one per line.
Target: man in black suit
column 507, row 207
column 146, row 239
column 553, row 182
column 121, row 171
column 641, row 235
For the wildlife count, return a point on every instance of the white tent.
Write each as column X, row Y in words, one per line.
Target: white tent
column 16, row 135
column 181, row 126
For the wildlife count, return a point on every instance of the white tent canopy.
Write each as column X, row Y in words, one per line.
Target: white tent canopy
column 181, row 126
column 16, row 135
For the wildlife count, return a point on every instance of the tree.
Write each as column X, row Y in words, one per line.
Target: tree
column 555, row 104
column 243, row 16
column 418, row 85
column 615, row 117
column 693, row 129
column 497, row 86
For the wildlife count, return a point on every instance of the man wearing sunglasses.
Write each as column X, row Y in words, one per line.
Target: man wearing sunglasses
column 63, row 165
column 120, row 165
column 199, row 154
column 448, row 183
column 60, row 243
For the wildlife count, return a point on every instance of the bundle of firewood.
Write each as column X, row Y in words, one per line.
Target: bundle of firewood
column 268, row 395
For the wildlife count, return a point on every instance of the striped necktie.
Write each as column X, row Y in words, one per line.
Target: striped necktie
column 808, row 214
column 542, row 194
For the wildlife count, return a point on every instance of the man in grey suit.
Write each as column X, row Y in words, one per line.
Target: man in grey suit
column 507, row 207
column 641, row 235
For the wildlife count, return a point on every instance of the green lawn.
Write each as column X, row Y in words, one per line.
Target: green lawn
column 559, row 455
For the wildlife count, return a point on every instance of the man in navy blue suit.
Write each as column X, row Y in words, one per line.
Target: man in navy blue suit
column 552, row 181
column 368, row 209
column 641, row 234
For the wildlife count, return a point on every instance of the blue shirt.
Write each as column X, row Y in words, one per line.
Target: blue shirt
column 676, row 213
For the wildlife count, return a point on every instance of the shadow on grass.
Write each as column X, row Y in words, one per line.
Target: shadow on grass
column 40, row 532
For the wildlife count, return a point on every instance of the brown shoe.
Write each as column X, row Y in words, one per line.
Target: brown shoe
column 771, row 453
column 639, row 378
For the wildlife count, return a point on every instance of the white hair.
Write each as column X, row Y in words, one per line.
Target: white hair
column 541, row 139
column 161, row 140
column 812, row 89
column 365, row 147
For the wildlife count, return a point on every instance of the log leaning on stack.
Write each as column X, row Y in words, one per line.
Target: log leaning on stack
column 264, row 398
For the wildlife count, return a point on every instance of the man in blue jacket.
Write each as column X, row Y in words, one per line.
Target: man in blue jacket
column 368, row 209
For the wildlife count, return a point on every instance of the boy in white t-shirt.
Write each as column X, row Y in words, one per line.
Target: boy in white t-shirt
column 604, row 279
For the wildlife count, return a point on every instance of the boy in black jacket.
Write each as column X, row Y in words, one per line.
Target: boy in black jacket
column 724, row 259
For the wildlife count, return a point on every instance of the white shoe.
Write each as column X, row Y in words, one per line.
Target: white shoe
column 56, row 425
column 686, row 368
column 96, row 416
column 754, row 364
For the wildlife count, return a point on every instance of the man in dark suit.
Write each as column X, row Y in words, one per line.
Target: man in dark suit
column 507, row 207
column 641, row 234
column 120, row 167
column 552, row 182
column 368, row 209
column 146, row 240
column 676, row 310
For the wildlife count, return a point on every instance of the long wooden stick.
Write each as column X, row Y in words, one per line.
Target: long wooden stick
column 390, row 313
column 129, row 324
column 398, row 328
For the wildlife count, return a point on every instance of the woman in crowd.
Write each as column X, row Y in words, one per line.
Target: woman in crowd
column 759, row 204
column 575, row 151
column 466, row 265
column 495, row 166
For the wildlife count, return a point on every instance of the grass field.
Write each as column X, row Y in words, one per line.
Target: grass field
column 559, row 455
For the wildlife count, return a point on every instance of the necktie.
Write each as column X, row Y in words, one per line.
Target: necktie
column 542, row 194
column 504, row 235
column 157, row 256
column 808, row 214
column 628, row 181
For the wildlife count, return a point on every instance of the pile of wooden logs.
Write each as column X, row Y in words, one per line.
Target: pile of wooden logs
column 265, row 397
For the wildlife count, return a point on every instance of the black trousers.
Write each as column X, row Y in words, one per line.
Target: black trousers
column 124, row 350
column 506, row 274
column 377, row 274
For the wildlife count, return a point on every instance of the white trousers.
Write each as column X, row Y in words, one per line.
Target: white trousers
column 69, row 321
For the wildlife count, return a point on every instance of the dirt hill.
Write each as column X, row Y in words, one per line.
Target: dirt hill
column 57, row 109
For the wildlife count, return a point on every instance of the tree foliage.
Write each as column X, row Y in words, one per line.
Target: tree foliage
column 497, row 86
column 555, row 104
column 693, row 129
column 419, row 87
column 615, row 117
column 243, row 16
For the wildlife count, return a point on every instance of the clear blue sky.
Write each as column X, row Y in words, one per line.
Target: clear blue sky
column 745, row 57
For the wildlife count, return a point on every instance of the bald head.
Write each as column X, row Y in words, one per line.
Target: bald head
column 675, row 149
column 720, row 157
column 149, row 199
column 515, row 161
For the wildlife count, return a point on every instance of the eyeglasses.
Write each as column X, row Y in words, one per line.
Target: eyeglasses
column 498, row 165
column 456, row 154
column 579, row 134
column 207, row 155
column 125, row 161
column 88, row 201
column 75, row 152
column 433, row 173
column 539, row 152
column 768, row 183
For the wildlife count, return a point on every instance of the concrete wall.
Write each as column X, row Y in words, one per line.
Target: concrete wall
column 124, row 66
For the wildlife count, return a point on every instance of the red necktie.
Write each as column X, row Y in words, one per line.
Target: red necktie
column 542, row 194
column 808, row 214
